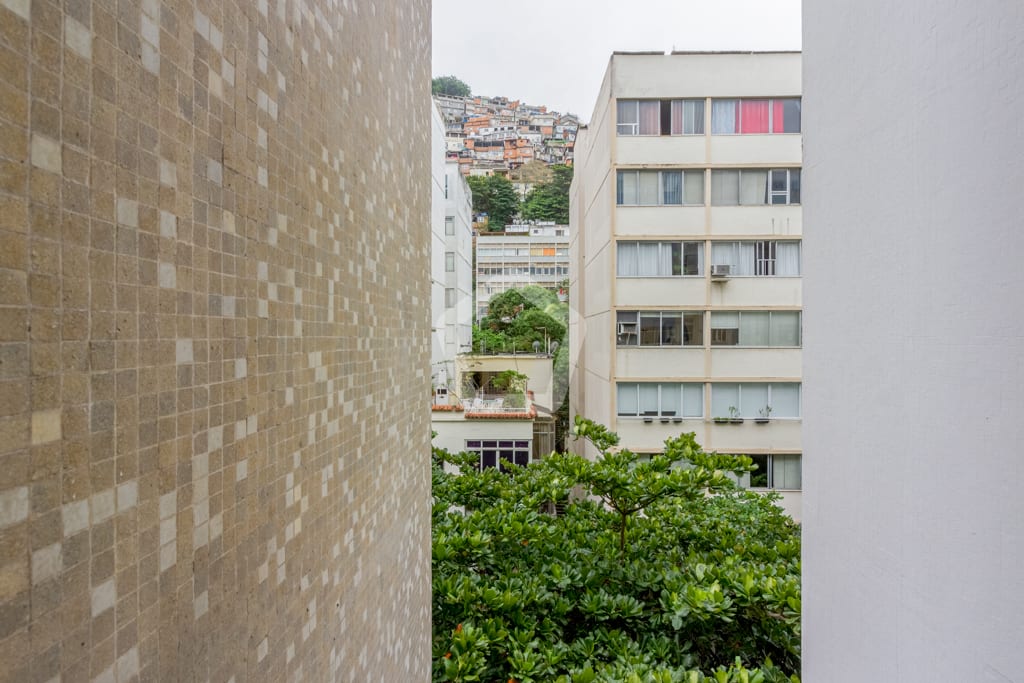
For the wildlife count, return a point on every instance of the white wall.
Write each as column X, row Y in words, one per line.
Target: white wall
column 437, row 244
column 914, row 342
column 459, row 206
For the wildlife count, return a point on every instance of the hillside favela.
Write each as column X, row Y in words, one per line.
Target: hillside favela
column 551, row 343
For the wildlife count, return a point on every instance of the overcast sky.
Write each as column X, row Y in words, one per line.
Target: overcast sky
column 555, row 52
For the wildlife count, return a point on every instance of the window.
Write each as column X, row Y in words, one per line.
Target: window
column 492, row 453
column 449, row 225
column 659, row 188
column 449, row 297
column 660, row 399
column 660, row 259
column 449, row 261
column 660, row 117
column 659, row 328
column 750, row 398
column 755, row 116
column 763, row 258
column 755, row 186
column 775, row 471
column 755, row 328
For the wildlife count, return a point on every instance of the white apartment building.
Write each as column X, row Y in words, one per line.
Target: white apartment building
column 522, row 255
column 686, row 249
column 451, row 259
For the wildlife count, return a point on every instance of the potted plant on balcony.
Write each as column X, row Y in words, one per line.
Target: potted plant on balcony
column 763, row 415
column 734, row 416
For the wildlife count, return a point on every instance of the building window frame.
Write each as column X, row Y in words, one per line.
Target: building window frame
column 636, row 187
column 760, row 395
column 495, row 452
column 683, row 400
column 676, row 117
column 758, row 258
column 755, row 186
column 449, row 225
column 668, row 259
column 744, row 116
column 775, row 472
column 730, row 334
column 449, row 262
column 655, row 329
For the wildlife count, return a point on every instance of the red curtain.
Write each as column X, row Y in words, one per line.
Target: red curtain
column 778, row 116
column 754, row 116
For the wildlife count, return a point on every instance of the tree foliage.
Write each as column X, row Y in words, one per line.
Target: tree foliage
column 517, row 318
column 494, row 196
column 549, row 201
column 657, row 570
column 449, row 85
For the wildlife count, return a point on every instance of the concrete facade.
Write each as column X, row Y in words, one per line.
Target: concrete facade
column 678, row 336
column 522, row 255
column 213, row 275
column 913, row 519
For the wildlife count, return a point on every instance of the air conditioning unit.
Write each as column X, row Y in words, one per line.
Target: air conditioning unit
column 720, row 271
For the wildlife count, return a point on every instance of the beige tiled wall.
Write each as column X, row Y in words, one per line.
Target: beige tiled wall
column 214, row 316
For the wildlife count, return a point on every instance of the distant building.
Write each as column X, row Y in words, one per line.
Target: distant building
column 522, row 255
column 686, row 252
column 451, row 259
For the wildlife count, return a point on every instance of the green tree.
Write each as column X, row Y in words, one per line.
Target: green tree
column 614, row 569
column 449, row 85
column 494, row 196
column 549, row 201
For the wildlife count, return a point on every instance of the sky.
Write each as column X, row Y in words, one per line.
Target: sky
column 555, row 52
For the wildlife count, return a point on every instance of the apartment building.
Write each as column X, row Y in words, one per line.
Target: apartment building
column 522, row 255
column 451, row 259
column 686, row 250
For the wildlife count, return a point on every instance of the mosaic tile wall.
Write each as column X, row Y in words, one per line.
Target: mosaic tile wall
column 214, row 319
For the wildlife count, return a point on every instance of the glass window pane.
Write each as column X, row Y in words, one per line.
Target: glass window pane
column 671, row 329
column 754, row 329
column 649, row 263
column 626, row 188
column 785, row 400
column 627, row 399
column 650, row 329
column 791, row 116
column 785, row 328
column 626, row 117
column 648, row 193
column 650, row 117
column 672, row 187
column 693, row 400
column 725, row 328
column 449, row 225
column 779, row 180
column 693, row 117
column 725, row 188
column 724, row 115
column 759, row 475
column 671, row 399
column 691, row 258
column 723, row 395
column 694, row 187
column 628, row 259
column 753, row 187
column 648, row 398
column 754, row 398
column 626, row 328
column 794, row 186
column 786, row 472
column 693, row 329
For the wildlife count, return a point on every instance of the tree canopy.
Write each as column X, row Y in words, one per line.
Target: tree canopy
column 449, row 85
column 622, row 568
column 495, row 196
column 517, row 318
column 549, row 201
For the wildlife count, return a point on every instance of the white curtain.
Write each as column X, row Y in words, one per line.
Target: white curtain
column 725, row 188
column 787, row 255
column 723, row 116
column 672, row 187
column 693, row 182
column 754, row 328
column 671, row 404
column 647, row 258
column 628, row 259
column 785, row 328
column 648, row 188
column 687, row 117
column 626, row 191
column 753, row 187
column 786, row 472
column 785, row 400
column 648, row 398
column 693, row 400
column 626, row 399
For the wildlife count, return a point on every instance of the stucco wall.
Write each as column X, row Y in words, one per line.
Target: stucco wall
column 913, row 339
column 214, row 322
